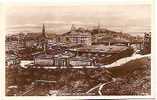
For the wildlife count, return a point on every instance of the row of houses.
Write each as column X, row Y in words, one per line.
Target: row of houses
column 73, row 37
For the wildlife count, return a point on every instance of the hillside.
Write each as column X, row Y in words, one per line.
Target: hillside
column 132, row 78
column 103, row 35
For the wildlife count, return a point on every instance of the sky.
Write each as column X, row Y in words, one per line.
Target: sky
column 134, row 18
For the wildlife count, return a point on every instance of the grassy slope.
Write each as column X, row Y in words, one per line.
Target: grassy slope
column 134, row 79
column 125, row 69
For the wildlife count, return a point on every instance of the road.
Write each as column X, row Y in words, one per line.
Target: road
column 125, row 60
column 100, row 86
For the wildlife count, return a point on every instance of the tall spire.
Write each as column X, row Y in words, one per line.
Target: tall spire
column 44, row 40
column 43, row 31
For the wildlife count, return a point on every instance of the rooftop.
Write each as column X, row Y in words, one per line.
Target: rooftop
column 49, row 56
column 101, row 48
column 44, row 55
column 80, row 58
column 10, row 56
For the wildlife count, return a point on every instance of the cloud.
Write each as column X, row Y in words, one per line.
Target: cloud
column 23, row 26
column 53, row 22
column 59, row 18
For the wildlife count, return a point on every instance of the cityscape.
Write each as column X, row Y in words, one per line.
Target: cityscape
column 82, row 61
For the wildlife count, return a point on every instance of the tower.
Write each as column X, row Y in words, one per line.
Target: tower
column 43, row 31
column 73, row 27
column 44, row 39
column 147, row 43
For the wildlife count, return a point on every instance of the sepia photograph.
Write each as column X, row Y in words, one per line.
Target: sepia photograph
column 78, row 50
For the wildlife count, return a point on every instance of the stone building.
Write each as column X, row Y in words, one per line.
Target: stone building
column 81, row 61
column 29, row 42
column 147, row 43
column 11, row 59
column 45, row 60
column 77, row 36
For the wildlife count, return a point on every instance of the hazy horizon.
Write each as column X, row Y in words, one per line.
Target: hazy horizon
column 58, row 19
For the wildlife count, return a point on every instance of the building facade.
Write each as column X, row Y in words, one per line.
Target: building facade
column 77, row 36
column 147, row 43
column 51, row 60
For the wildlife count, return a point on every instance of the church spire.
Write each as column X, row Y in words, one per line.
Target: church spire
column 43, row 31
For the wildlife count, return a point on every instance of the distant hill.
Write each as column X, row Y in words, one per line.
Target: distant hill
column 102, row 35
